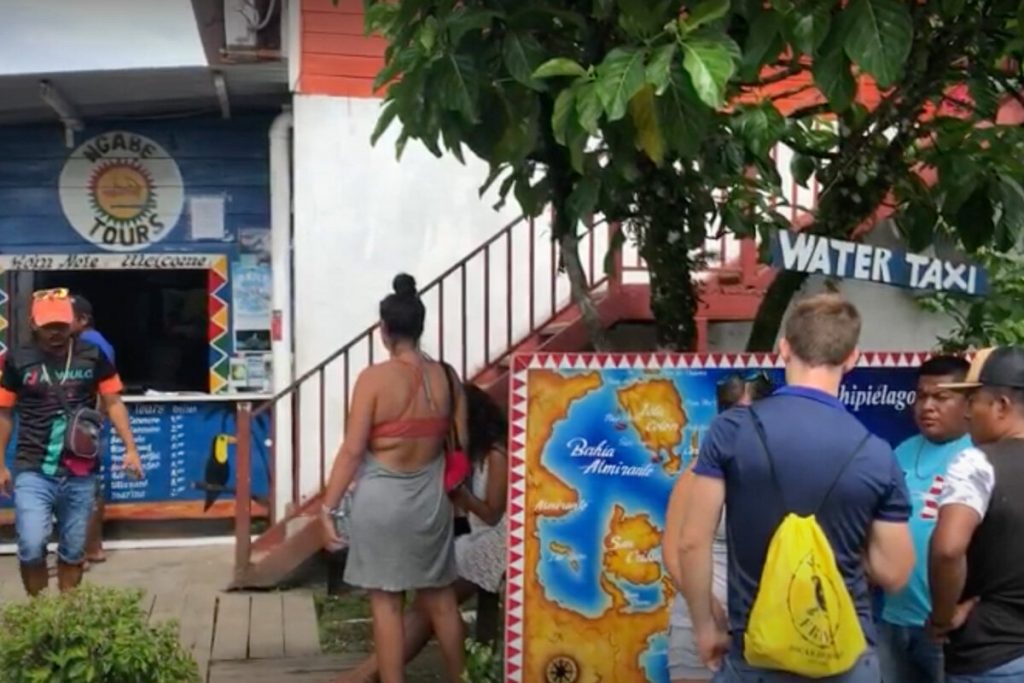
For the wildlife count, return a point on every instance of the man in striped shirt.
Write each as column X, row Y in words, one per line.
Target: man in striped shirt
column 907, row 653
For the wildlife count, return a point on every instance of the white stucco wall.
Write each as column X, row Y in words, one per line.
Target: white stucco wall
column 360, row 217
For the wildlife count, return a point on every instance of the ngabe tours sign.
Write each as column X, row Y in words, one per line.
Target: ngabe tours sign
column 121, row 191
column 808, row 253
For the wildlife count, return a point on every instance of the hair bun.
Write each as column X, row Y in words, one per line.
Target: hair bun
column 404, row 285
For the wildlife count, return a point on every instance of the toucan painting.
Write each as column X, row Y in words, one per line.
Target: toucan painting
column 218, row 469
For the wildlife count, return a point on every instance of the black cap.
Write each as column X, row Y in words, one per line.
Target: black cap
column 83, row 309
column 999, row 366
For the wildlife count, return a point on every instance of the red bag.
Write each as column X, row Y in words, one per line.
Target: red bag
column 456, row 462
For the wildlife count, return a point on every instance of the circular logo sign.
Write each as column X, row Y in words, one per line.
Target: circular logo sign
column 562, row 669
column 121, row 191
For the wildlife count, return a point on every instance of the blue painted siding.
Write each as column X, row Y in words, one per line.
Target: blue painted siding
column 214, row 157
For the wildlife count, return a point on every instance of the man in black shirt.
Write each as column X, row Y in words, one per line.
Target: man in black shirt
column 48, row 383
column 976, row 563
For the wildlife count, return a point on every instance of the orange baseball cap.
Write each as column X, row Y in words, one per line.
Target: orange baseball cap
column 49, row 308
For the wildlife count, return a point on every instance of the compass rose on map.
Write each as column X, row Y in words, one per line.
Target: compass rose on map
column 562, row 669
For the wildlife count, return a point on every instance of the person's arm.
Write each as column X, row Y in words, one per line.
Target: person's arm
column 461, row 411
column 702, row 510
column 354, row 444
column 963, row 503
column 492, row 507
column 889, row 555
column 10, row 382
column 109, row 387
column 674, row 514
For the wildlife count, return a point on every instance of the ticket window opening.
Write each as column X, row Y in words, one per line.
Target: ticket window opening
column 157, row 322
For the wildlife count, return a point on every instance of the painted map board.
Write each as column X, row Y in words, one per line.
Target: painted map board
column 597, row 441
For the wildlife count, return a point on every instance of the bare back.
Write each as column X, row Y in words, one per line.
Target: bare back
column 408, row 393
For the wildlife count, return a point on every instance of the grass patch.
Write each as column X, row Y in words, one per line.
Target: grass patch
column 345, row 628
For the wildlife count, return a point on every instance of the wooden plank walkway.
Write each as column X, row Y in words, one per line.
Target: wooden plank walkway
column 316, row 669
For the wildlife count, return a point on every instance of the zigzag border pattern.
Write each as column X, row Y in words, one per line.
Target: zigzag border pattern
column 516, row 524
column 5, row 312
column 521, row 366
column 218, row 281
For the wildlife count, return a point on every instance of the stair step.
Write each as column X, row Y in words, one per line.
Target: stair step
column 551, row 329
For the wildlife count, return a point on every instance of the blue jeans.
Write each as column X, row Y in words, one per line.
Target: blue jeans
column 908, row 655
column 39, row 498
column 1011, row 672
column 736, row 670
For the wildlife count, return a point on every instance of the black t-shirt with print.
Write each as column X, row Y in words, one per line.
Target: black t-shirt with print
column 29, row 383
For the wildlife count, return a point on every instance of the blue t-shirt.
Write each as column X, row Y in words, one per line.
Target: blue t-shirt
column 811, row 436
column 924, row 465
column 94, row 337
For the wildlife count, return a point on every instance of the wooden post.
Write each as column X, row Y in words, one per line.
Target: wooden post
column 243, row 486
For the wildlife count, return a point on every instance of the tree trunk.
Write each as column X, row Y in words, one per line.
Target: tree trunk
column 673, row 295
column 772, row 310
column 568, row 245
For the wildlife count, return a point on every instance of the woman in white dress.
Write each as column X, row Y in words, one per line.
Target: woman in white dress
column 684, row 663
column 480, row 554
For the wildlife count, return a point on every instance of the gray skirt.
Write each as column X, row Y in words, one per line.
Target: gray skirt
column 401, row 534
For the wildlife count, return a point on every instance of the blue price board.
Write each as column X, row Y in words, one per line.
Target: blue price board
column 188, row 452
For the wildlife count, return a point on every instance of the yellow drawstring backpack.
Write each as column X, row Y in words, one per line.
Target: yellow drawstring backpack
column 803, row 620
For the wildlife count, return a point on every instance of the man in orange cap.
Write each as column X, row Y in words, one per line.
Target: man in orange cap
column 53, row 384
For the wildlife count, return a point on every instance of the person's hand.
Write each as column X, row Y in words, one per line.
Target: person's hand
column 941, row 631
column 6, row 483
column 331, row 537
column 460, row 496
column 712, row 645
column 132, row 464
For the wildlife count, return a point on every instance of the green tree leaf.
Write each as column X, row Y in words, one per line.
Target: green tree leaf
column 879, row 36
column 704, row 13
column 807, row 29
column 563, row 115
column 1010, row 228
column 659, row 69
column 684, row 119
column 459, row 83
column 974, row 220
column 559, row 66
column 917, row 223
column 523, row 54
column 465, row 20
column 832, row 74
column 761, row 126
column 427, row 35
column 589, row 107
column 802, row 167
column 643, row 112
column 763, row 44
column 619, row 77
column 711, row 62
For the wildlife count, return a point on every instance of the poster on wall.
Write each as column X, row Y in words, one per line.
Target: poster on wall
column 597, row 441
column 252, row 292
column 189, row 455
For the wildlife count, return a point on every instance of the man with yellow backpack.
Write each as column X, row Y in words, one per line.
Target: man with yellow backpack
column 817, row 506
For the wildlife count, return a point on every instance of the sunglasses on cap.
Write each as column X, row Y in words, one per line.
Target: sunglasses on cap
column 55, row 293
column 752, row 376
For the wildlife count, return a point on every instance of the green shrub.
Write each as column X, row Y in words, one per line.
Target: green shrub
column 483, row 663
column 90, row 635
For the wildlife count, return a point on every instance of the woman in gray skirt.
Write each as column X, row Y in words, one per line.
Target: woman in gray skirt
column 400, row 525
